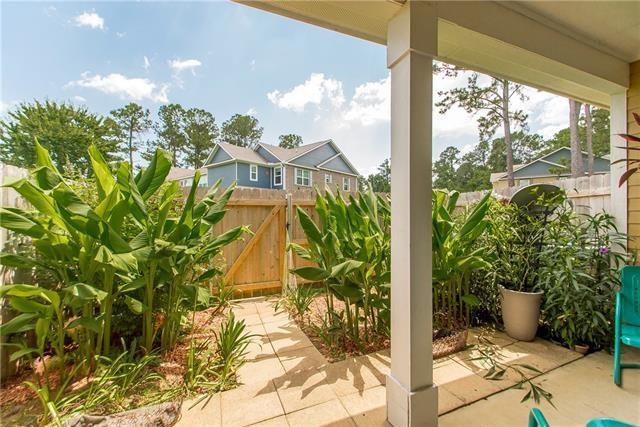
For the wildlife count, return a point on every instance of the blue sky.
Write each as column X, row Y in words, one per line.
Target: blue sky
column 226, row 58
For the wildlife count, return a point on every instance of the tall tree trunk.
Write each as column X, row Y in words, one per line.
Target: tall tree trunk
column 577, row 166
column 506, row 123
column 131, row 146
column 589, row 137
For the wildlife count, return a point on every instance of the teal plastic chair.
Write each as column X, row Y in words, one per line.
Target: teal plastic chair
column 627, row 324
column 537, row 419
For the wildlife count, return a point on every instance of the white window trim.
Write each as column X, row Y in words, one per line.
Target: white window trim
column 301, row 184
column 251, row 169
column 328, row 175
column 274, row 175
column 347, row 181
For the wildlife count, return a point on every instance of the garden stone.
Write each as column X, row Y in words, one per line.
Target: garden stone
column 162, row 415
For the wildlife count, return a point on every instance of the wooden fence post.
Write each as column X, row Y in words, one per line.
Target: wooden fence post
column 289, row 279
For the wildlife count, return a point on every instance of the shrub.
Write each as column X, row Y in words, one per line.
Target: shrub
column 351, row 246
column 455, row 257
column 579, row 275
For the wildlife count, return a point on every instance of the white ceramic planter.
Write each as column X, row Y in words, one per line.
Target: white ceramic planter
column 520, row 313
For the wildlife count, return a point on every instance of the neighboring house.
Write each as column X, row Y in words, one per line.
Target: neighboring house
column 548, row 168
column 268, row 166
column 184, row 176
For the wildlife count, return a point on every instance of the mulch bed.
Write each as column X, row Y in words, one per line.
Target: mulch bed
column 444, row 342
column 19, row 404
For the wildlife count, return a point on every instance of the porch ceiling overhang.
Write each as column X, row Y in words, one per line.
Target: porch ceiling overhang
column 578, row 49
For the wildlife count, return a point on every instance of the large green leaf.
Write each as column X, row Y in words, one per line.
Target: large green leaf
column 85, row 292
column 91, row 324
column 310, row 229
column 20, row 323
column 21, row 290
column 18, row 261
column 125, row 262
column 37, row 198
column 345, row 268
column 153, row 176
column 104, row 178
column 314, row 274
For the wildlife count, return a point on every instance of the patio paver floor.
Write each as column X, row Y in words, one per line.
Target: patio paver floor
column 287, row 382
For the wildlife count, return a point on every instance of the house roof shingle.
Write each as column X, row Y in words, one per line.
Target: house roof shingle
column 241, row 153
column 179, row 173
column 285, row 154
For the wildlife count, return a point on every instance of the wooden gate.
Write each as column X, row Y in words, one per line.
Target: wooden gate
column 259, row 264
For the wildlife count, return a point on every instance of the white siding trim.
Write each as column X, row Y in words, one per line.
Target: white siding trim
column 340, row 172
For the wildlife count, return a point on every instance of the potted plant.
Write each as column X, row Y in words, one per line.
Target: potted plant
column 516, row 237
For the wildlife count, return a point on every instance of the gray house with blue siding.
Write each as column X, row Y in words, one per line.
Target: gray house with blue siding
column 268, row 166
column 548, row 168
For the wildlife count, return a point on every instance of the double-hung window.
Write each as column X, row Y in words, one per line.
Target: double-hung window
column 346, row 184
column 277, row 175
column 253, row 172
column 303, row 177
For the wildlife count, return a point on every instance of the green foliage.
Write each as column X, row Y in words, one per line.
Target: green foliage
column 380, row 182
column 496, row 365
column 65, row 130
column 170, row 133
column 241, row 130
column 601, row 135
column 455, row 257
column 132, row 120
column 290, row 140
column 351, row 246
column 231, row 346
column 579, row 275
column 472, row 171
column 201, row 132
column 491, row 101
column 112, row 240
column 94, row 263
column 298, row 300
column 114, row 381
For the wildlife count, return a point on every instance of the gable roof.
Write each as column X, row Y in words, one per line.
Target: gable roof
column 179, row 173
column 238, row 153
column 286, row 154
column 544, row 159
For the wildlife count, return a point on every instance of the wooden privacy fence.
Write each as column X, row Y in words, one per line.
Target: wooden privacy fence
column 259, row 264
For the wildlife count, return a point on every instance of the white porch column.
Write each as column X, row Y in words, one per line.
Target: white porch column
column 618, row 120
column 412, row 399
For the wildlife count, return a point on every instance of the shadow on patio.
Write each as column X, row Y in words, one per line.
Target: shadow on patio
column 288, row 382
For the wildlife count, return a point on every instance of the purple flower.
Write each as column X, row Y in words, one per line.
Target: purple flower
column 603, row 250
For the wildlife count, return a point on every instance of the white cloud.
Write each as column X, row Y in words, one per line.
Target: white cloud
column 371, row 102
column 120, row 35
column 136, row 89
column 89, row 19
column 316, row 90
column 548, row 113
column 179, row 65
column 50, row 10
column 251, row 112
column 252, row 64
column 147, row 63
column 79, row 99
